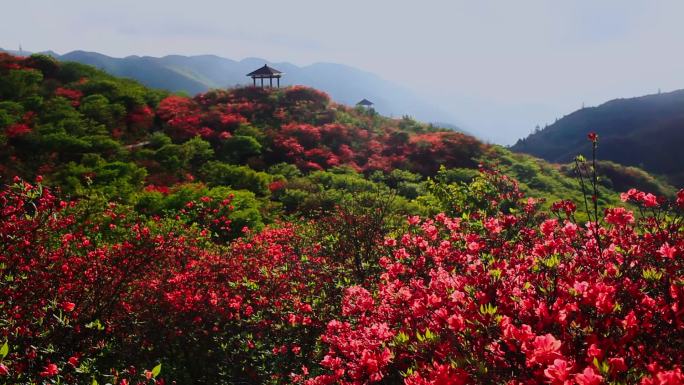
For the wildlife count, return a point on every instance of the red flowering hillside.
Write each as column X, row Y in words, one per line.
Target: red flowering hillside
column 274, row 237
column 301, row 126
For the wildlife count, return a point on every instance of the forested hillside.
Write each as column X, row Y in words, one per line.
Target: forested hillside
column 645, row 132
column 267, row 236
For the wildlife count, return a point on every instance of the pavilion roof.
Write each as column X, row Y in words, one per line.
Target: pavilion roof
column 364, row 102
column 265, row 71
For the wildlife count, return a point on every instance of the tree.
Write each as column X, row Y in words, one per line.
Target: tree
column 238, row 177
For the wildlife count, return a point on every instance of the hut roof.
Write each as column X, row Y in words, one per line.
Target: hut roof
column 265, row 71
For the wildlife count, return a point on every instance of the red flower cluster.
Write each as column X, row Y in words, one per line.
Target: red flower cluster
column 71, row 94
column 80, row 284
column 313, row 141
column 519, row 299
column 17, row 129
column 640, row 197
column 181, row 115
column 10, row 62
column 139, row 119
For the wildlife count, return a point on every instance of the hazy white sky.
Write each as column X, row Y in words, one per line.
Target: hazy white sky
column 500, row 67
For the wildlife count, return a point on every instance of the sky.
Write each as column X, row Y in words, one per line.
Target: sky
column 500, row 67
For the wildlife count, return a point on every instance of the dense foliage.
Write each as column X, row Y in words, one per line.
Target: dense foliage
column 261, row 236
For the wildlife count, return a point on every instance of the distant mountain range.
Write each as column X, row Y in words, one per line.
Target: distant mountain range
column 194, row 74
column 646, row 131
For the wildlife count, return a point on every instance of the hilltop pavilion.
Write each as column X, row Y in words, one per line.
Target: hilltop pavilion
column 266, row 72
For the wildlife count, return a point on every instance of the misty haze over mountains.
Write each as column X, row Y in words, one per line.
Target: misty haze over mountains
column 195, row 74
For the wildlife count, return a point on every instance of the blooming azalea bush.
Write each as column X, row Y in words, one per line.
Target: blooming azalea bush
column 259, row 310
column 90, row 289
column 519, row 296
column 71, row 94
column 68, row 285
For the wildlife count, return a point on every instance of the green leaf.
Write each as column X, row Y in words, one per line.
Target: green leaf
column 430, row 336
column 4, row 350
column 495, row 273
column 94, row 382
column 156, row 370
column 401, row 338
column 488, row 309
column 95, row 325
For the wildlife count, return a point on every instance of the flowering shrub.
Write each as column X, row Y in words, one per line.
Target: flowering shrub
column 87, row 290
column 17, row 129
column 260, row 309
column 515, row 296
column 71, row 94
column 181, row 116
column 68, row 284
column 140, row 119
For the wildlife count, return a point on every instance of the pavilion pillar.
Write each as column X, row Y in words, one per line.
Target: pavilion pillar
column 278, row 79
column 270, row 80
column 254, row 79
column 262, row 82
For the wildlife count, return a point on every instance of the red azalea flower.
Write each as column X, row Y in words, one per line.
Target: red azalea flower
column 559, row 372
column 617, row 365
column 49, row 370
column 680, row 198
column 546, row 349
column 650, row 200
column 73, row 361
column 670, row 377
column 667, row 251
column 17, row 129
column 225, row 135
column 588, row 377
column 593, row 137
column 68, row 306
